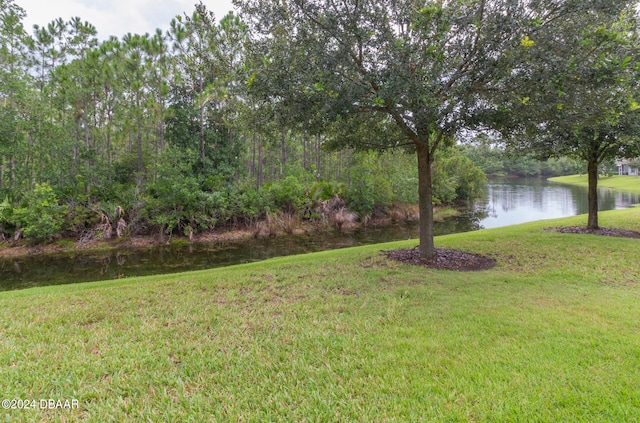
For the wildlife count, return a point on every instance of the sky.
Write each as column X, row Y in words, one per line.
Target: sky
column 117, row 17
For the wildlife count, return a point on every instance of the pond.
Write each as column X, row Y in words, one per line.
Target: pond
column 507, row 202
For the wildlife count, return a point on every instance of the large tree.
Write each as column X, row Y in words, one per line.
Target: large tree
column 12, row 84
column 580, row 98
column 425, row 69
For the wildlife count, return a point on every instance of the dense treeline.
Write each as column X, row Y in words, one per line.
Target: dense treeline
column 157, row 133
column 495, row 161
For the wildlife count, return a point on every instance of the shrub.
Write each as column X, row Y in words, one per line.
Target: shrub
column 360, row 197
column 456, row 178
column 288, row 195
column 42, row 217
column 402, row 173
column 249, row 204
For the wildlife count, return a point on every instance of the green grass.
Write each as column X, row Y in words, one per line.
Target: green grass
column 549, row 335
column 621, row 183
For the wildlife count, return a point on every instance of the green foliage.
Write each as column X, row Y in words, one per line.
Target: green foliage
column 431, row 71
column 381, row 180
column 249, row 203
column 41, row 217
column 521, row 165
column 470, row 180
column 400, row 170
column 500, row 162
column 172, row 200
column 581, row 92
column 288, row 195
column 383, row 191
column 195, row 131
column 562, row 166
column 6, row 210
column 360, row 195
column 321, row 191
column 304, row 176
column 456, row 178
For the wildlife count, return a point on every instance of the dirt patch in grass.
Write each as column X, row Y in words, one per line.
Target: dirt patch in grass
column 622, row 233
column 444, row 260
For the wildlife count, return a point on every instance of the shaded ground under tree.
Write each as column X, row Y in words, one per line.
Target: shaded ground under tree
column 446, row 259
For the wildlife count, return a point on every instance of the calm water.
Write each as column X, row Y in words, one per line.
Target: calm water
column 507, row 202
column 513, row 201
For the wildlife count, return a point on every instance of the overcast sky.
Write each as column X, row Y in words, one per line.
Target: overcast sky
column 117, row 17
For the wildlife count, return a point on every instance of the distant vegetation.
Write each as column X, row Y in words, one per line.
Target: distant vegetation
column 215, row 124
column 156, row 134
column 501, row 162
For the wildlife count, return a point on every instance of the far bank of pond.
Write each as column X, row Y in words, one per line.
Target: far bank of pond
column 615, row 182
column 507, row 202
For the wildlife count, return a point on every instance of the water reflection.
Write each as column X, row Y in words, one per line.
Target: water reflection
column 507, row 202
column 513, row 201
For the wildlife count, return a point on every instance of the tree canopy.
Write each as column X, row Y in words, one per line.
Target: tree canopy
column 579, row 94
column 420, row 69
column 158, row 134
column 213, row 121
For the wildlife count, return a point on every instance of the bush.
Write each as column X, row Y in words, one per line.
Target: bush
column 173, row 200
column 360, row 197
column 249, row 204
column 323, row 191
column 6, row 211
column 456, row 178
column 172, row 203
column 402, row 173
column 42, row 217
column 288, row 195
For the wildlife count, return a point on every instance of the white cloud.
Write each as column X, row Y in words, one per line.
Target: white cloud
column 117, row 17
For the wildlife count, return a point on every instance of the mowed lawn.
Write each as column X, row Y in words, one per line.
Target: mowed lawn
column 552, row 334
column 622, row 183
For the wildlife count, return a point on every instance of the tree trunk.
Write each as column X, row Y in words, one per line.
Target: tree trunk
column 425, row 202
column 12, row 171
column 202, row 144
column 260, row 158
column 252, row 161
column 305, row 158
column 109, row 126
column 592, row 222
column 139, row 144
column 318, row 158
column 349, row 168
column 283, row 140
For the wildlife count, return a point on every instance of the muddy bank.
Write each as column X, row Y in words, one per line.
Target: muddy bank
column 262, row 229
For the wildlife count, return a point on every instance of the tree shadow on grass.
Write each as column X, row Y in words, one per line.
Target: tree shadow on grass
column 620, row 233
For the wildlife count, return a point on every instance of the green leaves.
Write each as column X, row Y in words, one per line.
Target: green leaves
column 42, row 217
column 6, row 210
column 526, row 42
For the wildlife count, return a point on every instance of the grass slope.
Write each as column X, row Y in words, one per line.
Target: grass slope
column 621, row 183
column 550, row 334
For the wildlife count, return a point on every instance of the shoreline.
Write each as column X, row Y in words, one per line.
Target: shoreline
column 14, row 249
column 621, row 183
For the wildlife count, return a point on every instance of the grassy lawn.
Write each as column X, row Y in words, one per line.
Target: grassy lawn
column 551, row 334
column 621, row 183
